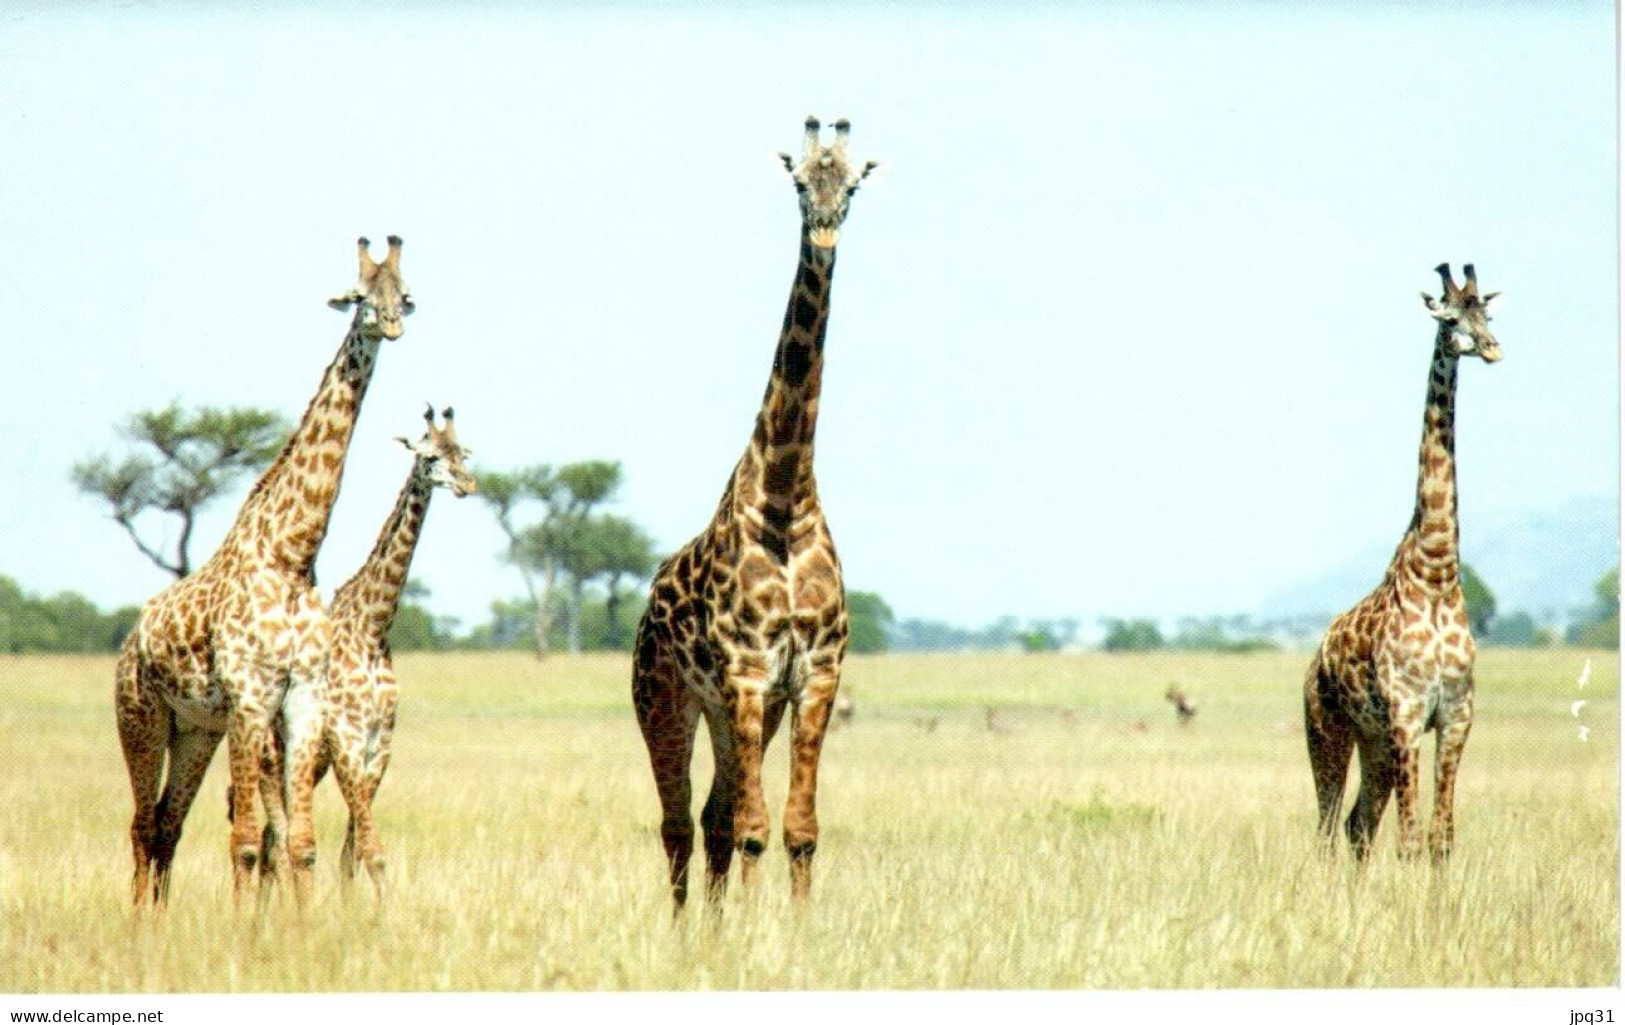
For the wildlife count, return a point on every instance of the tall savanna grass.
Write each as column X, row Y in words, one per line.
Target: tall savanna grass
column 988, row 821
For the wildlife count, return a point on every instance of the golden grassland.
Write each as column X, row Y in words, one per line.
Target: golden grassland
column 1075, row 837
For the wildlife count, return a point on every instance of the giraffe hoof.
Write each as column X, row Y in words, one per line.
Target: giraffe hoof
column 753, row 846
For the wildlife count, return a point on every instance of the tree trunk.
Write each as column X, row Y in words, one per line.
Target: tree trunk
column 612, row 613
column 576, row 587
column 543, row 623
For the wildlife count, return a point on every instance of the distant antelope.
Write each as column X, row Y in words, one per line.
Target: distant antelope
column 845, row 709
column 1182, row 704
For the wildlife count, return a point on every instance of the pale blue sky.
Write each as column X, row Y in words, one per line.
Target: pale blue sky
column 1128, row 326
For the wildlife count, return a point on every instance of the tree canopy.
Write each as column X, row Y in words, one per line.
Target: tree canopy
column 1601, row 626
column 183, row 461
column 568, row 538
column 61, row 623
column 1131, row 635
column 869, row 622
column 1480, row 600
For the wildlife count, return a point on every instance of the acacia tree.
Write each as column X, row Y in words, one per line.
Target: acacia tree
column 199, row 456
column 552, row 544
column 611, row 547
column 505, row 493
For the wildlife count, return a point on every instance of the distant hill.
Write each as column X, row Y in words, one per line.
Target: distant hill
column 1534, row 560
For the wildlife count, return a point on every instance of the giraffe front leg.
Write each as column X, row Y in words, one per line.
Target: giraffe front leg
column 304, row 726
column 344, row 750
column 750, row 809
column 808, row 723
column 361, row 843
column 274, row 801
column 1453, row 729
column 367, row 844
column 143, row 729
column 248, row 748
column 1406, row 741
column 668, row 720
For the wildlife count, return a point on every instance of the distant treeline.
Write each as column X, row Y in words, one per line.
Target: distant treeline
column 68, row 622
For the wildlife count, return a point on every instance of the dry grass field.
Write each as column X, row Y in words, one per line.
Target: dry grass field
column 1075, row 837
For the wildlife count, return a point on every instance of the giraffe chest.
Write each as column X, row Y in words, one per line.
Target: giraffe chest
column 1416, row 667
column 763, row 623
column 237, row 645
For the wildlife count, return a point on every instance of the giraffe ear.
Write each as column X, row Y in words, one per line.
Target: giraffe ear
column 1435, row 306
column 345, row 301
column 1492, row 304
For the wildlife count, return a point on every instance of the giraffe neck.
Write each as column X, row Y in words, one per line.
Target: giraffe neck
column 283, row 522
column 369, row 599
column 776, row 472
column 1434, row 530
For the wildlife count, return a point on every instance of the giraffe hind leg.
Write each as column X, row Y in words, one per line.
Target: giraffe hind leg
column 190, row 751
column 1452, row 741
column 717, row 817
column 1331, row 746
column 668, row 721
column 143, row 729
column 1377, row 772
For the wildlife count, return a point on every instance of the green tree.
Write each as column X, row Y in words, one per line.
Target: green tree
column 869, row 622
column 194, row 457
column 1601, row 628
column 1480, row 601
column 506, row 493
column 415, row 628
column 558, row 542
column 610, row 548
column 1515, row 630
column 64, row 622
column 1038, row 639
column 1131, row 635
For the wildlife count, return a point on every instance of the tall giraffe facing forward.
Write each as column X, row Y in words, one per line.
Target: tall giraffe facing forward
column 749, row 618
column 361, row 675
column 221, row 652
column 1400, row 662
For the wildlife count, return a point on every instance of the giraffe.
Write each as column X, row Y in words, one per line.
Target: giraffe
column 1400, row 662
column 361, row 688
column 226, row 650
column 749, row 618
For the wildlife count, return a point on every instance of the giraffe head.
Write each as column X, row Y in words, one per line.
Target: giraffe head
column 440, row 458
column 825, row 181
column 1466, row 314
column 380, row 297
